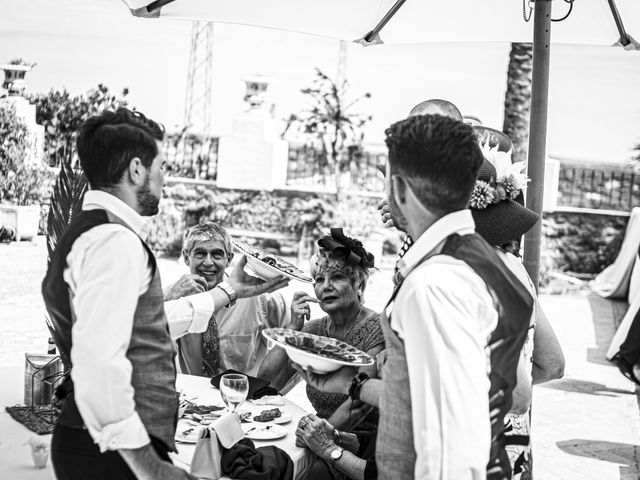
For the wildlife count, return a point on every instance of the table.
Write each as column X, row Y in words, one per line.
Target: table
column 206, row 394
column 15, row 457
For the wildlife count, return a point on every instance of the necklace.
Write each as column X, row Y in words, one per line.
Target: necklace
column 330, row 323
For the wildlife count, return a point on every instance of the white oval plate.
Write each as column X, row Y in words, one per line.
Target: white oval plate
column 191, row 437
column 267, row 271
column 263, row 431
column 320, row 363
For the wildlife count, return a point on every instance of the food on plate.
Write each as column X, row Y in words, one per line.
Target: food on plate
column 202, row 409
column 272, row 260
column 337, row 350
column 268, row 415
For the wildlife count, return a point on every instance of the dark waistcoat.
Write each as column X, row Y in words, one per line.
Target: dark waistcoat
column 395, row 451
column 150, row 351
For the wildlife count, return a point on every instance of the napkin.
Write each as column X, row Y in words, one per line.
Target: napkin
column 222, row 434
column 244, row 461
column 258, row 387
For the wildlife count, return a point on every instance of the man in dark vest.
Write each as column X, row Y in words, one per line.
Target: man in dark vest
column 105, row 300
column 454, row 326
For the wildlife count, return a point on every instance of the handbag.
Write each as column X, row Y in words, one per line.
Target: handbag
column 222, row 434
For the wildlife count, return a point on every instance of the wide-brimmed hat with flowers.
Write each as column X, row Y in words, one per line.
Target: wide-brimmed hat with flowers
column 496, row 200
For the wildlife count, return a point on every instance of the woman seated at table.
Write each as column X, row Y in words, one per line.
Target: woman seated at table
column 340, row 269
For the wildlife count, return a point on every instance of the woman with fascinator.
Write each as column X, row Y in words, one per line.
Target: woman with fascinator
column 502, row 220
column 340, row 269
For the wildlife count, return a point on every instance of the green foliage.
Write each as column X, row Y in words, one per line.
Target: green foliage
column 330, row 124
column 61, row 114
column 21, row 182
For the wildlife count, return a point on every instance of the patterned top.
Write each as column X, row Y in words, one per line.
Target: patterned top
column 367, row 334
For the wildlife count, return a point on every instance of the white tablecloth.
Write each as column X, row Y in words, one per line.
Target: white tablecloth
column 206, row 394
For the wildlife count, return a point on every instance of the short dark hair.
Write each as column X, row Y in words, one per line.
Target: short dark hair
column 438, row 156
column 437, row 106
column 109, row 141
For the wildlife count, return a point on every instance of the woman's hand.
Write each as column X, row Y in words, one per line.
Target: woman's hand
column 300, row 309
column 246, row 285
column 316, row 434
column 334, row 382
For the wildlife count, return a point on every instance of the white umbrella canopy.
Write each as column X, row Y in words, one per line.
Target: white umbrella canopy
column 416, row 21
column 368, row 22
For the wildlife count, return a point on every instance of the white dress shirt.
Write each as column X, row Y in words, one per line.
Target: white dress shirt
column 242, row 345
column 445, row 316
column 107, row 270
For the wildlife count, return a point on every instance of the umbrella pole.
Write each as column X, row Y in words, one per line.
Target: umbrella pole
column 538, row 132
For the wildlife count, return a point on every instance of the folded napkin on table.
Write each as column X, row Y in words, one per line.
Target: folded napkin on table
column 221, row 434
column 244, row 461
column 258, row 387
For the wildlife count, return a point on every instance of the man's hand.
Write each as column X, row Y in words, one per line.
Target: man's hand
column 300, row 309
column 316, row 434
column 385, row 213
column 247, row 286
column 147, row 465
column 334, row 382
column 188, row 284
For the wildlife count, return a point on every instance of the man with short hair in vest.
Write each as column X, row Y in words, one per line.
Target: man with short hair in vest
column 454, row 326
column 103, row 293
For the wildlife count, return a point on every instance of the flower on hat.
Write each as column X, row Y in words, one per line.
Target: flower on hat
column 507, row 184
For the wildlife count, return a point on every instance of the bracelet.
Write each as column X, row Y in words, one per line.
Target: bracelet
column 337, row 438
column 356, row 385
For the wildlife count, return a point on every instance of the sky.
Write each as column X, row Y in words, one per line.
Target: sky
column 594, row 93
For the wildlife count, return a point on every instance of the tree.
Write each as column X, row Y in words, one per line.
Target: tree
column 517, row 99
column 330, row 124
column 62, row 114
column 21, row 181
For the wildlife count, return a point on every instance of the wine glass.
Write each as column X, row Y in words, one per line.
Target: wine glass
column 234, row 388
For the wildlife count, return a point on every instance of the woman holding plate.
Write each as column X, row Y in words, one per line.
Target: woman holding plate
column 340, row 270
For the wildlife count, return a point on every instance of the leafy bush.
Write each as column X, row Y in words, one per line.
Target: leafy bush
column 21, row 182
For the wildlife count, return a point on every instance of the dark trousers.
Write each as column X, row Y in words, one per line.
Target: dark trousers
column 630, row 348
column 76, row 457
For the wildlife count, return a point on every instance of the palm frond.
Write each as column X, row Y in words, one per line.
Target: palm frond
column 66, row 201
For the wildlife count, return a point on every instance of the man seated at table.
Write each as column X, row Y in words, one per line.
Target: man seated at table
column 233, row 338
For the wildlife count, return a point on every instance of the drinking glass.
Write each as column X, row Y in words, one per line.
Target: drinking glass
column 234, row 388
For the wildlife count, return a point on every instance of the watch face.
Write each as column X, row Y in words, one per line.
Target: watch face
column 336, row 454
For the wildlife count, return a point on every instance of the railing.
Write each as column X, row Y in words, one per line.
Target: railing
column 308, row 167
column 600, row 186
column 604, row 187
column 191, row 156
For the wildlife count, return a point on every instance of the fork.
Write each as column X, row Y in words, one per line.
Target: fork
column 267, row 427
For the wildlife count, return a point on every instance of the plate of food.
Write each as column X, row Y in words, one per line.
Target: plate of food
column 268, row 266
column 268, row 431
column 323, row 354
column 274, row 415
column 188, row 434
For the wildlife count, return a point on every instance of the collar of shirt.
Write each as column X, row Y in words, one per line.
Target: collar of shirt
column 460, row 222
column 100, row 200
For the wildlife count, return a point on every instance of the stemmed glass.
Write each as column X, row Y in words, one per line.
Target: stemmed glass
column 234, row 388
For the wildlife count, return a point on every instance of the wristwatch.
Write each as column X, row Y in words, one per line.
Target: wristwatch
column 231, row 293
column 336, row 454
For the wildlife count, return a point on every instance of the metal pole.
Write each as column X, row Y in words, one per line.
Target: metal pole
column 538, row 132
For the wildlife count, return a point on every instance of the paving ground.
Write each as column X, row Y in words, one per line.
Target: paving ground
column 585, row 426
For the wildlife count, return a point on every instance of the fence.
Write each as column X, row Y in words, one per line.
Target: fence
column 308, row 167
column 191, row 156
column 605, row 187
column 598, row 186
